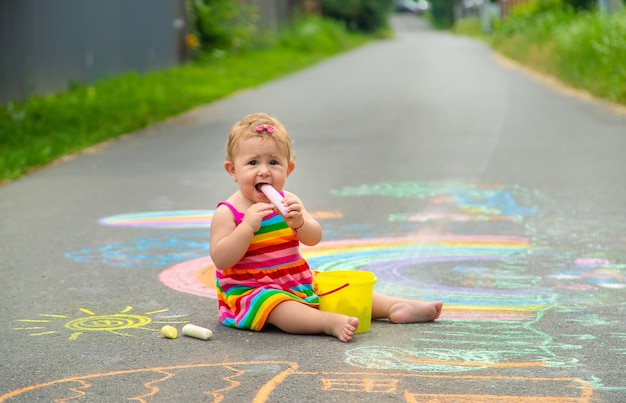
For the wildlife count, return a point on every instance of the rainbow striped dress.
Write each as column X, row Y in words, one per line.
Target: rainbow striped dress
column 272, row 271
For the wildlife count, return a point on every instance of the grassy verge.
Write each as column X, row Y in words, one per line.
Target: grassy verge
column 584, row 50
column 42, row 129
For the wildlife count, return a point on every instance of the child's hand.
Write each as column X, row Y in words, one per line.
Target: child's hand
column 307, row 229
column 255, row 213
column 294, row 217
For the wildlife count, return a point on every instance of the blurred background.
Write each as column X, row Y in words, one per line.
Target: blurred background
column 76, row 72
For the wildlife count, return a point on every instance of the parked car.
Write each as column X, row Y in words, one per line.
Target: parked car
column 409, row 6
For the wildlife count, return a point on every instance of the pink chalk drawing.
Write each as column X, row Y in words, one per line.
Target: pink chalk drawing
column 591, row 274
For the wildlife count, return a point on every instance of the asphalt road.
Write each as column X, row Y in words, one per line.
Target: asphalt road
column 448, row 174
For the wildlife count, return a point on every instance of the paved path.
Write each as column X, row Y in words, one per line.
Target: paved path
column 427, row 162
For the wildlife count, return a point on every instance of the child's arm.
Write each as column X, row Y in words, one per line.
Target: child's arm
column 229, row 242
column 307, row 229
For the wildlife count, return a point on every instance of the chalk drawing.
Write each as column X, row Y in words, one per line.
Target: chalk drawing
column 117, row 323
column 417, row 217
column 473, row 246
column 595, row 273
column 161, row 249
column 263, row 381
column 597, row 384
column 408, row 189
column 147, row 252
column 178, row 219
column 196, row 277
column 593, row 320
column 363, row 384
column 403, row 267
column 468, row 346
column 491, row 202
column 477, row 200
column 428, row 360
column 471, row 343
column 450, row 202
column 517, row 301
column 161, row 219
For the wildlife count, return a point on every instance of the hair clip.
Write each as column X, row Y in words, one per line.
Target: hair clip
column 267, row 128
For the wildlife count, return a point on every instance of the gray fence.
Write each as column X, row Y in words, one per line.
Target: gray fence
column 45, row 45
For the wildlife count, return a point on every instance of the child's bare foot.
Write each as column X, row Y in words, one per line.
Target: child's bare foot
column 412, row 311
column 341, row 326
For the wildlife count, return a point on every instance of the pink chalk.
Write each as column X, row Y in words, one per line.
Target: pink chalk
column 274, row 197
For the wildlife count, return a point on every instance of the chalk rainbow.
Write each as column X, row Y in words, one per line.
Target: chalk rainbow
column 176, row 219
column 401, row 265
column 161, row 219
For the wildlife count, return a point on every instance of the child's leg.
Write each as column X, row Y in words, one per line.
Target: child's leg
column 295, row 317
column 400, row 310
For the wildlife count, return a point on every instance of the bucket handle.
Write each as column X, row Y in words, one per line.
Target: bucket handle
column 335, row 290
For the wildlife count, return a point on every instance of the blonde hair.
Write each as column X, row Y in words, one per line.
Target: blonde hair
column 247, row 128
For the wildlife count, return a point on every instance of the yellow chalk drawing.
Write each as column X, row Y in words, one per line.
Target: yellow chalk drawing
column 369, row 385
column 116, row 323
column 262, row 381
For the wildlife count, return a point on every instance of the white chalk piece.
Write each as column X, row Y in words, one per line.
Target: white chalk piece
column 275, row 197
column 198, row 332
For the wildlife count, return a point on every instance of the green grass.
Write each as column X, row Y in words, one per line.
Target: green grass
column 586, row 51
column 592, row 54
column 37, row 131
column 469, row 27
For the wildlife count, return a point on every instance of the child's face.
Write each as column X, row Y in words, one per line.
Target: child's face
column 259, row 160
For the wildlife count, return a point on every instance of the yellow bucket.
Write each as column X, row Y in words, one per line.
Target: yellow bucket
column 348, row 292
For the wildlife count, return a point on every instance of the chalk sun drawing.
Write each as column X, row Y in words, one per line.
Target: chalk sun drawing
column 117, row 323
